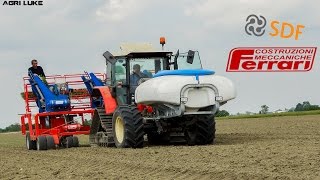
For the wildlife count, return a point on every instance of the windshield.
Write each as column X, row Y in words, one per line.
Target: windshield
column 183, row 64
column 144, row 68
column 139, row 68
column 148, row 67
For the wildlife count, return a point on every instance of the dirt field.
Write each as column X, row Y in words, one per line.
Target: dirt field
column 270, row 148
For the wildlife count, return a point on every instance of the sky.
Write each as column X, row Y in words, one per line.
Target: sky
column 70, row 36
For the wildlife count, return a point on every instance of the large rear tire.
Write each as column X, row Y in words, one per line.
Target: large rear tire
column 31, row 145
column 41, row 143
column 202, row 131
column 127, row 127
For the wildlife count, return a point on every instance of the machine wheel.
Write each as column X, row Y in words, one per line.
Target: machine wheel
column 31, row 145
column 50, row 142
column 202, row 131
column 127, row 127
column 41, row 143
column 75, row 141
column 68, row 142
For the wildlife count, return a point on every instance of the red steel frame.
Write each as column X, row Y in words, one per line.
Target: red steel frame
column 80, row 106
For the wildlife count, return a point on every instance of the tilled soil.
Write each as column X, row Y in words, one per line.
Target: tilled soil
column 264, row 148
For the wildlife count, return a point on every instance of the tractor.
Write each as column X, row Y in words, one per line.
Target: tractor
column 160, row 96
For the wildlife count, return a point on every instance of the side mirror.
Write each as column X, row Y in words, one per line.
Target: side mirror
column 176, row 60
column 190, row 56
column 109, row 57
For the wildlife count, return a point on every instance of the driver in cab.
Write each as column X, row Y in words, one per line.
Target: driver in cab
column 135, row 77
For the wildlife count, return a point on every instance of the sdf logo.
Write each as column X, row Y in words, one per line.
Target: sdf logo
column 255, row 25
column 271, row 59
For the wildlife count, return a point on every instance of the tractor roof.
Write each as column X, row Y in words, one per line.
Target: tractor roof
column 140, row 50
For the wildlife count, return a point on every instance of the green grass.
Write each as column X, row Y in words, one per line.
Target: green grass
column 301, row 113
column 14, row 139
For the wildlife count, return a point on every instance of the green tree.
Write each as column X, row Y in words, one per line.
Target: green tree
column 222, row 113
column 299, row 107
column 314, row 107
column 306, row 105
column 264, row 109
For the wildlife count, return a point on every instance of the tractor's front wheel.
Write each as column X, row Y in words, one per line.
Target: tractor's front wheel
column 127, row 127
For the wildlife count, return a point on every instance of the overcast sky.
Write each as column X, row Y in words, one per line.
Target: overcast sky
column 70, row 36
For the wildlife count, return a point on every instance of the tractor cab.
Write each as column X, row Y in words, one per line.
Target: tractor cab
column 126, row 72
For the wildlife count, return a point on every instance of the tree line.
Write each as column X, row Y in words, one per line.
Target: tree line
column 304, row 106
column 12, row 128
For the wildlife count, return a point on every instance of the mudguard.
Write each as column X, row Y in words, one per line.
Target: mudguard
column 102, row 118
column 110, row 103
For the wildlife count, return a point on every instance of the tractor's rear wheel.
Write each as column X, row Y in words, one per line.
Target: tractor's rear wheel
column 50, row 142
column 202, row 131
column 75, row 141
column 127, row 127
column 41, row 143
column 30, row 144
